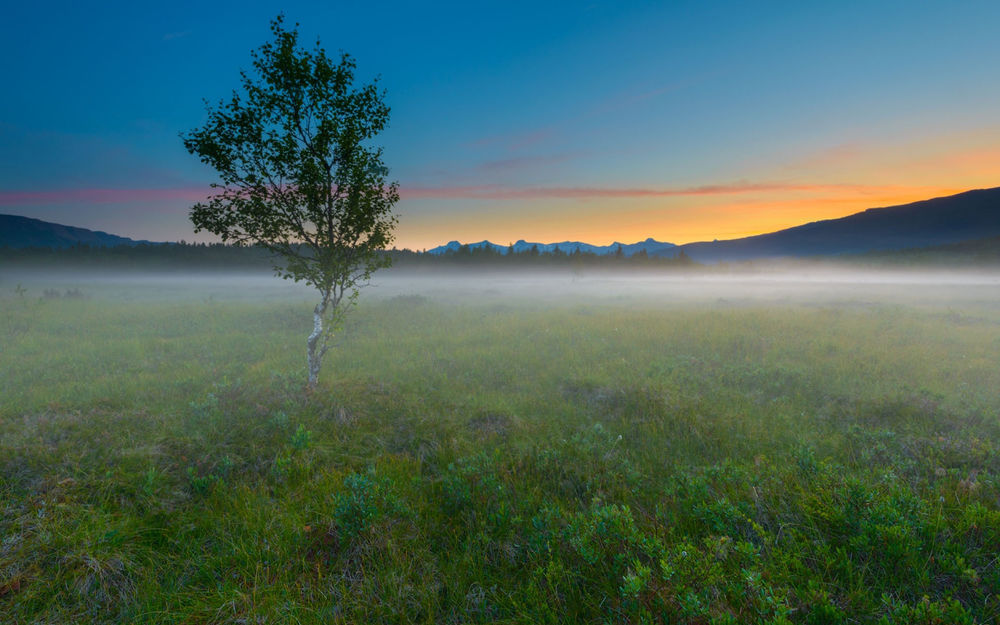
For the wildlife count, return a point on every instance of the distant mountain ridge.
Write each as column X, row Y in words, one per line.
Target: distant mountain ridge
column 935, row 222
column 651, row 246
column 21, row 232
column 939, row 221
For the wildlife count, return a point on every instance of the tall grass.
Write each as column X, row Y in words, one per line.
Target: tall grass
column 500, row 461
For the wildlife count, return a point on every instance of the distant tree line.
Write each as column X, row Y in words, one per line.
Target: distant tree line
column 467, row 255
column 217, row 256
column 209, row 256
column 142, row 256
column 985, row 251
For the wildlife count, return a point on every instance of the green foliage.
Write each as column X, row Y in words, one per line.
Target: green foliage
column 927, row 612
column 362, row 503
column 200, row 484
column 301, row 438
column 297, row 175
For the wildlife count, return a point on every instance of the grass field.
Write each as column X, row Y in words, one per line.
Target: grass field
column 614, row 453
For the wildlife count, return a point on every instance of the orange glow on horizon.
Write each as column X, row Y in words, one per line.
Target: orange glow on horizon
column 827, row 183
column 679, row 221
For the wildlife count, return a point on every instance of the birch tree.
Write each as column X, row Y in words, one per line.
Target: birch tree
column 299, row 174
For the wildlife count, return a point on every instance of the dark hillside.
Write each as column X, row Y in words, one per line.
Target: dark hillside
column 940, row 221
column 20, row 232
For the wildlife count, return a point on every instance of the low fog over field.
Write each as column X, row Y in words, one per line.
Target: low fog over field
column 789, row 284
column 785, row 285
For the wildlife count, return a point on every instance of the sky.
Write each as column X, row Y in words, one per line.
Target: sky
column 544, row 121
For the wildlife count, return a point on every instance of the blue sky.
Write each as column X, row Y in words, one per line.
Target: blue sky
column 598, row 121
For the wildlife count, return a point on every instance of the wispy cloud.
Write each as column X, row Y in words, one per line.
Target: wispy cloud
column 521, row 162
column 971, row 156
column 486, row 192
column 831, row 157
column 635, row 96
column 101, row 196
column 498, row 192
column 520, row 140
column 514, row 141
column 176, row 35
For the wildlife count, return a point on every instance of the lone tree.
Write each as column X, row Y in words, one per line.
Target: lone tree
column 299, row 175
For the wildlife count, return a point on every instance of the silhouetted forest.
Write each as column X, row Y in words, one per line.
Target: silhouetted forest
column 183, row 255
column 218, row 256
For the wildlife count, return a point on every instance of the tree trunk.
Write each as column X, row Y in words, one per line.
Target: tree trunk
column 315, row 358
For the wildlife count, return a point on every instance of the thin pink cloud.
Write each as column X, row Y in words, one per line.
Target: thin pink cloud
column 102, row 196
column 514, row 141
column 470, row 192
column 529, row 139
column 626, row 99
column 496, row 192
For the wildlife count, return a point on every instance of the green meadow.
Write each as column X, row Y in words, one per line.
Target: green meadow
column 477, row 452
